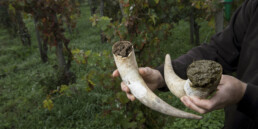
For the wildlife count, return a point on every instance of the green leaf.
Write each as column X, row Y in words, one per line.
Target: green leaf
column 126, row 1
column 104, row 22
column 106, row 53
column 156, row 1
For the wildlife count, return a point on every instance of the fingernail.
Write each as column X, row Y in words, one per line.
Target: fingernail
column 183, row 99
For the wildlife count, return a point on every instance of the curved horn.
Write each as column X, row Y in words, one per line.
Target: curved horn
column 128, row 70
column 174, row 83
column 180, row 87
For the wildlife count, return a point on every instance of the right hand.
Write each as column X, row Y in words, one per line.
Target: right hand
column 230, row 91
column 152, row 78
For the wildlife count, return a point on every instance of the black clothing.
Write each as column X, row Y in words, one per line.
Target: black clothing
column 236, row 49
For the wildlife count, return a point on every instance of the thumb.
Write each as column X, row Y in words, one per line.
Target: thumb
column 144, row 71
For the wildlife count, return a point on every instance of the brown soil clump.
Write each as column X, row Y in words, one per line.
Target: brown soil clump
column 122, row 48
column 204, row 73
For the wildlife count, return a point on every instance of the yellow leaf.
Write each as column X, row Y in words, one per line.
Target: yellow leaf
column 87, row 53
column 54, row 91
column 75, row 51
column 11, row 8
column 88, row 89
column 91, row 82
column 198, row 5
column 83, row 61
column 211, row 23
column 48, row 103
column 63, row 88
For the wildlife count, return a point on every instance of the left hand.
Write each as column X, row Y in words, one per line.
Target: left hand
column 152, row 78
column 230, row 91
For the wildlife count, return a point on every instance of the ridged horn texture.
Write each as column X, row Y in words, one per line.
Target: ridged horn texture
column 128, row 69
column 174, row 83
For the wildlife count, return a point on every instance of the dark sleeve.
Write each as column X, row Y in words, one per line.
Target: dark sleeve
column 224, row 47
column 249, row 103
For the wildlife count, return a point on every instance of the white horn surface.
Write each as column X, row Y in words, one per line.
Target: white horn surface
column 128, row 70
column 174, row 83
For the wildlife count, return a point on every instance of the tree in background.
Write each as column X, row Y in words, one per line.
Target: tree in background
column 12, row 19
column 5, row 19
column 49, row 19
column 131, row 14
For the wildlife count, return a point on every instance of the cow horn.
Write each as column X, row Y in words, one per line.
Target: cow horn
column 128, row 69
column 174, row 83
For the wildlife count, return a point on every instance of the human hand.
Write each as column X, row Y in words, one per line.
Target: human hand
column 152, row 78
column 229, row 91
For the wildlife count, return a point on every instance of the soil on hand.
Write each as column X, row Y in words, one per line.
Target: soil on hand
column 122, row 48
column 204, row 73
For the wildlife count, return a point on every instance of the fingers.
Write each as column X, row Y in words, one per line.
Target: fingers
column 115, row 73
column 127, row 91
column 188, row 103
column 203, row 103
column 125, row 88
column 130, row 96
column 145, row 71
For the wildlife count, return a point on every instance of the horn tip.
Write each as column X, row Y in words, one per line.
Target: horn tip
column 199, row 117
column 167, row 58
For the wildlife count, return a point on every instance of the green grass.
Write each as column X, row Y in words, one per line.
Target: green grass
column 25, row 82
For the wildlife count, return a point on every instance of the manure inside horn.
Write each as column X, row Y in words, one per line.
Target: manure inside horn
column 204, row 73
column 122, row 48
